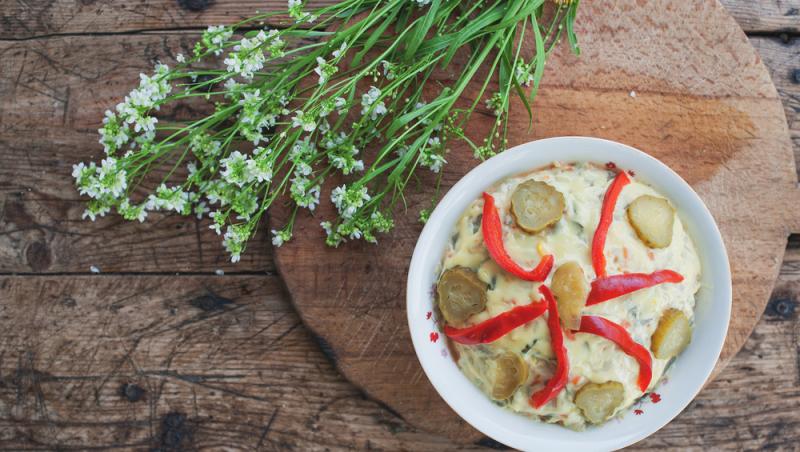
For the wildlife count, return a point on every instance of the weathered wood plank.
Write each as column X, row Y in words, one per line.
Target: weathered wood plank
column 189, row 362
column 765, row 16
column 147, row 361
column 66, row 84
column 782, row 59
column 24, row 20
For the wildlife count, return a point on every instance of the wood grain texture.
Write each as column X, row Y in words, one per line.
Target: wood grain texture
column 717, row 121
column 29, row 19
column 134, row 362
column 754, row 403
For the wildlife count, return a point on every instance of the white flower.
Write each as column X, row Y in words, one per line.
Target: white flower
column 495, row 103
column 388, row 70
column 370, row 96
column 305, row 194
column 201, row 209
column 203, row 146
column 280, row 237
column 248, row 56
column 112, row 179
column 339, row 103
column 168, row 198
column 218, row 219
column 180, row 58
column 302, row 169
column 343, row 156
column 234, row 240
column 93, row 213
column 307, row 122
column 215, row 37
column 302, row 150
column 296, row 12
column 132, row 212
column 431, row 155
column 368, row 99
column 324, row 70
column 235, row 169
column 260, row 168
column 349, row 200
column 523, row 74
column 340, row 51
column 114, row 133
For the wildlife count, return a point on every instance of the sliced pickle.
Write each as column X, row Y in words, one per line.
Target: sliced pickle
column 570, row 289
column 510, row 374
column 461, row 295
column 652, row 219
column 672, row 334
column 598, row 401
column 536, row 205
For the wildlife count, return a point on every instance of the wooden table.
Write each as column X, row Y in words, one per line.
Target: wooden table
column 161, row 350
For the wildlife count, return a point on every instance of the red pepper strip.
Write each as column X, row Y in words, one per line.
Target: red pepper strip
column 617, row 334
column 606, row 216
column 498, row 326
column 559, row 379
column 604, row 289
column 493, row 237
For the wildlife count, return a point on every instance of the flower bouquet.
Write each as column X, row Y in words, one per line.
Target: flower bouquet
column 347, row 91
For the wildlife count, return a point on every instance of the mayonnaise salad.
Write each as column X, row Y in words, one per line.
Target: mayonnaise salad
column 558, row 215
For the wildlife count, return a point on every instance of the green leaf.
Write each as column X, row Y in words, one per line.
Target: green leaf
column 420, row 31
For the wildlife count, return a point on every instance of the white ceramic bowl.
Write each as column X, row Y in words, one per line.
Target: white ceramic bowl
column 686, row 376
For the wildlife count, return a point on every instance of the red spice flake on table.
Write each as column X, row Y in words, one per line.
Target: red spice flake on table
column 611, row 165
column 428, row 315
column 496, row 327
column 606, row 217
column 655, row 397
column 559, row 379
column 638, row 412
column 434, row 336
column 493, row 238
column 631, row 173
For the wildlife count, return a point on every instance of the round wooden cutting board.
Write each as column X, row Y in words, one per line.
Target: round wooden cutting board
column 674, row 78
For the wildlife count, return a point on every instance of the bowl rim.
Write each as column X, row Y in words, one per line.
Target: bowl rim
column 518, row 160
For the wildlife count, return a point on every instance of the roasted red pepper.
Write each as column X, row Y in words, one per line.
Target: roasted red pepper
column 606, row 216
column 604, row 289
column 493, row 237
column 498, row 326
column 559, row 379
column 617, row 334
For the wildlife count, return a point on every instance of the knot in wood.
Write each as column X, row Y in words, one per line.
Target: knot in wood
column 195, row 5
column 782, row 307
column 132, row 392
